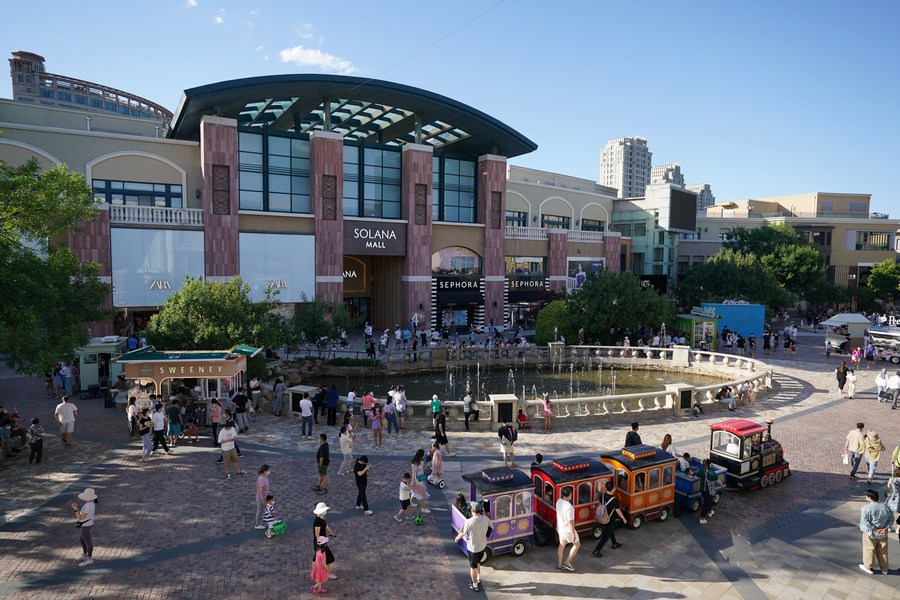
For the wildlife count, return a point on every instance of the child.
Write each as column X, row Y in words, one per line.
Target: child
column 320, row 570
column 437, row 463
column 522, row 420
column 269, row 515
column 696, row 408
column 36, row 440
column 192, row 432
column 406, row 488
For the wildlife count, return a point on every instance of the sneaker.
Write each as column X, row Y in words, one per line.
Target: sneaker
column 703, row 521
column 260, row 527
column 89, row 561
column 409, row 517
column 322, row 492
column 268, row 533
column 332, row 576
column 711, row 513
column 169, row 452
column 597, row 554
column 316, row 487
column 473, row 587
column 228, row 476
column 426, row 511
column 866, row 569
column 358, row 507
column 398, row 518
column 368, row 512
column 568, row 567
column 220, row 459
column 240, row 455
column 616, row 546
column 83, row 557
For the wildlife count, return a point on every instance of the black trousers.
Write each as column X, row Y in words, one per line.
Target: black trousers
column 159, row 439
column 609, row 534
column 37, row 451
column 468, row 414
column 332, row 415
column 361, row 497
column 215, row 433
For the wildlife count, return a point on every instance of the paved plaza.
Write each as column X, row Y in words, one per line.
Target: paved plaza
column 176, row 528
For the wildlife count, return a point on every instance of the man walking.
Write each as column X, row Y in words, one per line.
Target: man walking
column 65, row 416
column 893, row 385
column 854, row 447
column 331, row 402
column 322, row 460
column 707, row 476
column 227, row 442
column 475, row 531
column 874, row 522
column 633, row 438
column 159, row 429
column 240, row 411
column 565, row 527
column 306, row 414
column 440, row 431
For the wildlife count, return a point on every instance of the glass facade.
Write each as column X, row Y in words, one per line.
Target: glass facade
column 273, row 173
column 525, row 265
column 136, row 193
column 375, row 192
column 516, row 218
column 873, row 240
column 149, row 264
column 592, row 225
column 454, row 183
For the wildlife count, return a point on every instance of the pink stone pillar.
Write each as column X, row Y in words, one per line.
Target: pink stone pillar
column 492, row 213
column 326, row 174
column 93, row 244
column 416, row 194
column 557, row 255
column 218, row 163
column 612, row 252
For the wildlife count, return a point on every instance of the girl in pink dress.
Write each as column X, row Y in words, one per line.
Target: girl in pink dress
column 547, row 412
column 320, row 570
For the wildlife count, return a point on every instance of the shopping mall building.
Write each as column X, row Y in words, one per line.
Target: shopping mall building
column 394, row 200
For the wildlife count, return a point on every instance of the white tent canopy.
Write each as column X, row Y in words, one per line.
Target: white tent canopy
column 846, row 319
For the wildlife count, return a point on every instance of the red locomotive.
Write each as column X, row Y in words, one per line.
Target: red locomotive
column 746, row 449
column 586, row 476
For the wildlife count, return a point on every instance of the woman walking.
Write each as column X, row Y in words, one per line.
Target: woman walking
column 278, row 390
column 377, row 424
column 840, row 373
column 361, row 475
column 321, row 529
column 417, row 470
column 144, row 428
column 390, row 412
column 215, row 419
column 873, row 449
column 346, row 439
column 851, row 383
column 84, row 520
column 262, row 491
column 131, row 413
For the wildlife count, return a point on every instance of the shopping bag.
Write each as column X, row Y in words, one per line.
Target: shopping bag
column 846, row 459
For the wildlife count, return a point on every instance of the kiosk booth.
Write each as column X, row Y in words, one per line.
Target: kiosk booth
column 700, row 327
column 204, row 374
column 97, row 364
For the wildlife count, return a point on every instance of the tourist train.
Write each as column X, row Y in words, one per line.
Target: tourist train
column 748, row 452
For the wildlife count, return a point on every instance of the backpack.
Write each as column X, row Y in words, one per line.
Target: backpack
column 509, row 433
column 602, row 515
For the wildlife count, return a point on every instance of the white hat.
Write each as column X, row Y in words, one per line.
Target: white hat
column 434, row 397
column 88, row 495
column 321, row 540
column 320, row 509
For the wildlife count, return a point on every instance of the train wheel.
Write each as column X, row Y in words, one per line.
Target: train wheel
column 597, row 532
column 778, row 475
column 519, row 548
column 637, row 521
column 717, row 498
column 771, row 478
column 695, row 505
column 763, row 481
column 486, row 557
column 663, row 514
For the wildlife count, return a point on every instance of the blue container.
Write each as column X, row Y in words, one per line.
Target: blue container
column 742, row 319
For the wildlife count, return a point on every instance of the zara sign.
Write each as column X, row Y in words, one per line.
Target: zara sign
column 381, row 238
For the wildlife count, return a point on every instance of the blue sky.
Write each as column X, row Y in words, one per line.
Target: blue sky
column 756, row 98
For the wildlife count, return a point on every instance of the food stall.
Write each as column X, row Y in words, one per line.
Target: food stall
column 700, row 327
column 204, row 374
column 97, row 366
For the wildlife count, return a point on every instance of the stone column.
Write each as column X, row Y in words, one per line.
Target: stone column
column 492, row 213
column 326, row 175
column 612, row 252
column 93, row 244
column 557, row 254
column 219, row 165
column 416, row 194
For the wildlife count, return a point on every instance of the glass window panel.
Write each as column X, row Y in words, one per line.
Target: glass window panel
column 373, row 157
column 451, row 213
column 451, row 181
column 653, row 482
column 451, row 167
column 300, row 164
column 390, row 175
column 391, row 193
column 435, row 212
column 175, row 201
column 351, row 154
column 351, row 190
column 451, row 198
column 250, row 142
column 371, row 191
column 351, row 207
column 250, row 159
column 371, row 208
column 622, row 480
column 466, row 199
column 279, row 183
column 99, row 184
column 300, row 148
column 372, row 171
column 300, row 185
column 466, row 215
column 584, row 493
column 159, row 200
column 392, row 159
column 503, row 507
column 279, row 162
column 175, row 189
column 467, row 168
column 390, row 210
column 280, row 202
column 159, row 187
column 639, row 482
column 251, row 181
column 548, row 493
column 300, row 203
column 278, row 145
column 131, row 185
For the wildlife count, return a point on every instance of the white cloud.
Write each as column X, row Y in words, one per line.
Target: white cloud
column 218, row 20
column 258, row 48
column 190, row 3
column 309, row 57
column 266, row 57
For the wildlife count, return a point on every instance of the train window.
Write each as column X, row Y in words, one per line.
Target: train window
column 668, row 475
column 639, row 479
column 653, row 482
column 538, row 488
column 584, row 493
column 622, row 480
column 503, row 507
column 548, row 494
column 726, row 443
column 748, row 444
column 523, row 504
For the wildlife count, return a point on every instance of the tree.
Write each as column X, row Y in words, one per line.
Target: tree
column 732, row 275
column 49, row 297
column 796, row 263
column 761, row 241
column 611, row 301
column 884, row 280
column 316, row 319
column 552, row 322
column 212, row 315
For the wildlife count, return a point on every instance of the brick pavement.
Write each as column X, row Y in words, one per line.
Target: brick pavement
column 177, row 529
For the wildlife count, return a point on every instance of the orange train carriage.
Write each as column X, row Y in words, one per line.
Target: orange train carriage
column 645, row 482
column 746, row 449
column 586, row 477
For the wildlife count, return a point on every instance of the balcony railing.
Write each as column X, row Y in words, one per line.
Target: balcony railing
column 156, row 215
column 526, row 233
column 592, row 237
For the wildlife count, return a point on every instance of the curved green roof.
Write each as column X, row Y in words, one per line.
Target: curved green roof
column 359, row 109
